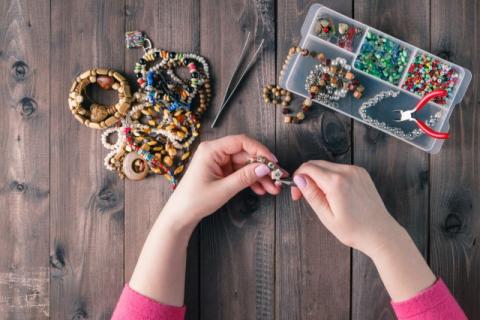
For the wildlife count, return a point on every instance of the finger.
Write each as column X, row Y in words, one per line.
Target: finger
column 331, row 166
column 296, row 193
column 312, row 194
column 241, row 179
column 319, row 174
column 269, row 185
column 235, row 144
column 241, row 158
column 258, row 189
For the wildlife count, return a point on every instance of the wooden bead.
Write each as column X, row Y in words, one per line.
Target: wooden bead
column 134, row 167
column 357, row 94
column 85, row 75
column 102, row 71
column 168, row 161
column 349, row 76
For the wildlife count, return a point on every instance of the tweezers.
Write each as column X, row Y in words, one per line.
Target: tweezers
column 232, row 87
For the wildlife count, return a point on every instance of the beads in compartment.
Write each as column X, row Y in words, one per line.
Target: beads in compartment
column 342, row 34
column 427, row 74
column 382, row 58
column 332, row 80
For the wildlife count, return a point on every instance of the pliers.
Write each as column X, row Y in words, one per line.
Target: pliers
column 410, row 115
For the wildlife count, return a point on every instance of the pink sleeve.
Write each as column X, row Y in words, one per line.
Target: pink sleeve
column 134, row 306
column 433, row 303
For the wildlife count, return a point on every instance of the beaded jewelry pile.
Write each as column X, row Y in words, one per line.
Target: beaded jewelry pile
column 156, row 132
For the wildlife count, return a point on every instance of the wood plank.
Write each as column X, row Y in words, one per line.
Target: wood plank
column 87, row 201
column 313, row 268
column 144, row 199
column 24, row 173
column 455, row 180
column 237, row 243
column 399, row 171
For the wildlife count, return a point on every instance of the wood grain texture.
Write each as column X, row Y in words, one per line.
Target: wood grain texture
column 399, row 171
column 24, row 173
column 312, row 267
column 455, row 176
column 71, row 232
column 87, row 201
column 237, row 243
column 168, row 30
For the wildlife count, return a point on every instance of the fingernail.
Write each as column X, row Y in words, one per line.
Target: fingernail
column 274, row 158
column 300, row 181
column 262, row 171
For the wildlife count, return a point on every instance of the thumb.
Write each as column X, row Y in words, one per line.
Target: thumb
column 312, row 194
column 242, row 178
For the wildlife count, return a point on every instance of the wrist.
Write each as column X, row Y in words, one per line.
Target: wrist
column 388, row 241
column 176, row 225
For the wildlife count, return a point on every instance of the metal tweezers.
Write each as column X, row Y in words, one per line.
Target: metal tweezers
column 232, row 87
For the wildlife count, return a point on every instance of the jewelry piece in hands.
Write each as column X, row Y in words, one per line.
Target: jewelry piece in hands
column 275, row 172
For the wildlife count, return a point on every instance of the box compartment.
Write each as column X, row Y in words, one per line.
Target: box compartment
column 299, row 67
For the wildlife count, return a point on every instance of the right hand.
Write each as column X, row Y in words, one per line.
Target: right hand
column 345, row 199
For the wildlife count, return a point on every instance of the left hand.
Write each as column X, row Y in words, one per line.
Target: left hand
column 217, row 172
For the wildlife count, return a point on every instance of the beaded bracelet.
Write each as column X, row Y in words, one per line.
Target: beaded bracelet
column 275, row 172
column 99, row 116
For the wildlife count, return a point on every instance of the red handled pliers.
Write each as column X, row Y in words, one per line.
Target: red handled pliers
column 404, row 115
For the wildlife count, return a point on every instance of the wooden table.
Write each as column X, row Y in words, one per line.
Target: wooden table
column 70, row 231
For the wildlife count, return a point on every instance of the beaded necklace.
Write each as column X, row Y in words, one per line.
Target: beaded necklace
column 171, row 88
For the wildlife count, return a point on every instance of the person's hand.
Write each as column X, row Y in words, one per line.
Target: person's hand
column 345, row 199
column 217, row 172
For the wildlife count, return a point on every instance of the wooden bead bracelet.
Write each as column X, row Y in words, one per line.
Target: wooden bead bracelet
column 276, row 173
column 99, row 116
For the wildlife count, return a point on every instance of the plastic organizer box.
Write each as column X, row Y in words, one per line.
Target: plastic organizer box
column 299, row 67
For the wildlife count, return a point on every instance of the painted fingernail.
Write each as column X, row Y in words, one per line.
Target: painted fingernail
column 300, row 181
column 262, row 171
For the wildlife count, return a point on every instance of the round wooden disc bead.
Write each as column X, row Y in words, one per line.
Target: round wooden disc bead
column 134, row 167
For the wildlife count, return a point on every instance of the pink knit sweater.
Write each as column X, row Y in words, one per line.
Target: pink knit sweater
column 434, row 303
